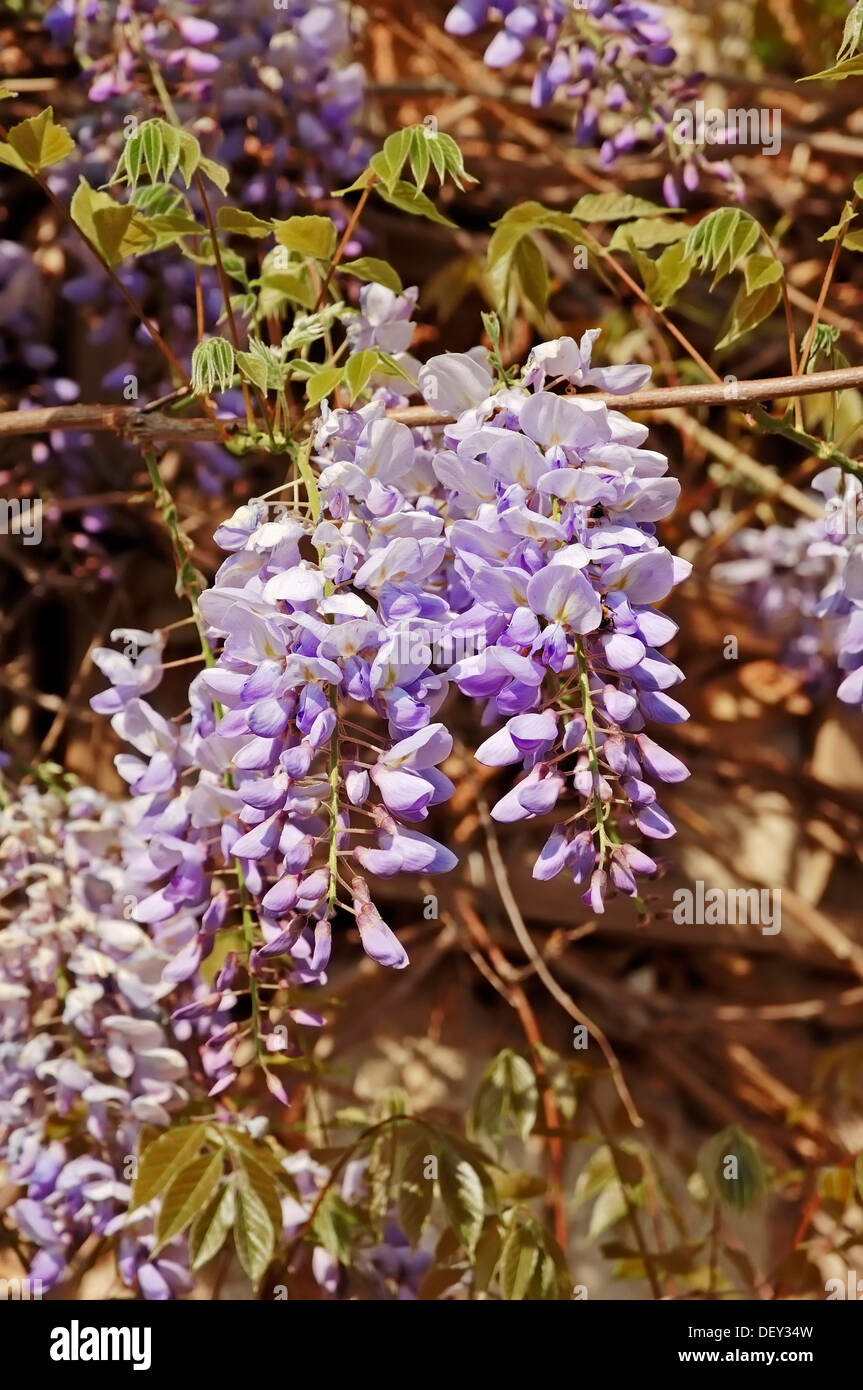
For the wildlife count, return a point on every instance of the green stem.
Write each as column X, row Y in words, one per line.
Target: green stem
column 587, row 707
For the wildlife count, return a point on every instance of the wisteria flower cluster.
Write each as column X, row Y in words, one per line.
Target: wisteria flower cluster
column 282, row 70
column 805, row 584
column 86, row 1049
column 613, row 59
column 510, row 557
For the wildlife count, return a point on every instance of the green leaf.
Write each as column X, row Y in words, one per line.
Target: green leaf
column 394, row 153
column 461, row 1189
column 156, row 146
column 279, row 287
column 404, row 196
column 263, row 1185
column 760, row 271
column 254, row 1235
column 733, row 1168
column 849, row 67
column 512, row 1185
column 210, row 1228
column 190, row 156
column 332, row 1225
column 749, row 310
column 216, row 173
column 8, row 156
column 358, row 370
column 453, row 161
column 39, row 142
column 419, row 156
column 309, row 236
column 379, row 272
column 487, row 1254
column 116, row 229
column 673, row 270
column 6, row 93
column 616, row 207
column 164, row 1158
column 517, row 1262
column 648, row 231
column 529, row 264
column 362, row 181
column 416, row 1192
column 243, row 223
column 848, row 215
column 852, row 33
column 176, row 224
column 188, row 1193
column 323, row 383
column 609, row 1208
column 253, row 369
column 507, row 1097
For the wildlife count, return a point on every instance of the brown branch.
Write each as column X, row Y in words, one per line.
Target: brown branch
column 142, row 426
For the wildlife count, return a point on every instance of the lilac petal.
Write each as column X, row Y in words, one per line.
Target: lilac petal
column 260, row 841
column 660, row 763
column 552, row 856
column 654, row 823
column 499, row 750
column 378, row 941
column 282, row 896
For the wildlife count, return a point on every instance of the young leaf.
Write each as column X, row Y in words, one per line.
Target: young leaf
column 404, row 196
column 212, row 366
column 358, row 370
column 243, row 223
column 253, row 369
column 210, row 1228
column 648, row 231
column 39, row 142
column 529, row 264
column 419, row 155
column 750, row 309
column 162, row 1159
column 116, row 229
column 323, row 383
column 309, row 236
column 721, row 239
column 188, row 1193
column 395, row 152
column 370, row 268
column 216, row 173
column 616, row 207
column 849, row 67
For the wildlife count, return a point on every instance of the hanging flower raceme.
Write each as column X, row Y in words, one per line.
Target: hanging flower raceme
column 512, row 556
column 86, row 1052
column 805, row 585
column 556, row 561
column 612, row 59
